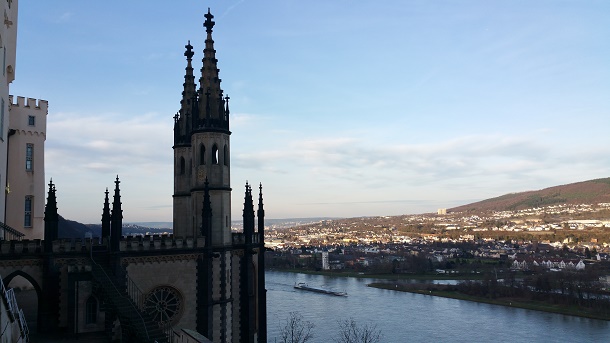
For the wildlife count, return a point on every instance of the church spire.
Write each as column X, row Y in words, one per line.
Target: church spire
column 209, row 81
column 116, row 218
column 51, row 218
column 181, row 124
column 106, row 217
column 262, row 292
column 189, row 79
column 248, row 215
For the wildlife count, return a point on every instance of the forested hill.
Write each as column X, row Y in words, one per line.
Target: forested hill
column 72, row 229
column 586, row 192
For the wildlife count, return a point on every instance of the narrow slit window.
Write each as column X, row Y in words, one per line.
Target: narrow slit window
column 225, row 156
column 201, row 154
column 29, row 157
column 27, row 218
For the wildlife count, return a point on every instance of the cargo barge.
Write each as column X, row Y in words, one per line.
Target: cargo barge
column 303, row 286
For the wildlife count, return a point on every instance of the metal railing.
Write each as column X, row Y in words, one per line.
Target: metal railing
column 23, row 325
column 138, row 297
column 7, row 233
column 135, row 293
column 108, row 279
column 14, row 312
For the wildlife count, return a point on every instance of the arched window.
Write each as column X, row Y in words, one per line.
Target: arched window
column 91, row 310
column 215, row 154
column 201, row 154
column 182, row 166
column 226, row 156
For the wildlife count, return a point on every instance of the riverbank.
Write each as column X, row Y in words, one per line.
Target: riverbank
column 361, row 275
column 510, row 302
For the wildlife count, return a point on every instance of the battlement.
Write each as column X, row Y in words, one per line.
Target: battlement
column 240, row 238
column 75, row 245
column 159, row 242
column 26, row 246
column 31, row 103
column 78, row 245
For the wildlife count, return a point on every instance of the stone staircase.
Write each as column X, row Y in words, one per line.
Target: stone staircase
column 137, row 325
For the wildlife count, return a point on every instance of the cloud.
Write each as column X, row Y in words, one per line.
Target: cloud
column 107, row 144
column 230, row 8
column 240, row 120
column 64, row 17
column 354, row 158
column 85, row 152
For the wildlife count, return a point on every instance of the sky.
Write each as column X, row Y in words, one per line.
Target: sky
column 340, row 108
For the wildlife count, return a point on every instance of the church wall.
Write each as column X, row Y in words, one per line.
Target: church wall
column 221, row 215
column 217, row 173
column 31, row 267
column 63, row 296
column 85, row 290
column 235, row 282
column 228, row 294
column 183, row 217
column 181, row 274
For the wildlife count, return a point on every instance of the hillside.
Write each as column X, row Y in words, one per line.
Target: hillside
column 586, row 192
column 72, row 229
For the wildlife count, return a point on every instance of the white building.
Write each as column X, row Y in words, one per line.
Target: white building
column 8, row 48
column 325, row 263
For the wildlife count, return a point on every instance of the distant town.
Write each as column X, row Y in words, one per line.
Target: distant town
column 557, row 236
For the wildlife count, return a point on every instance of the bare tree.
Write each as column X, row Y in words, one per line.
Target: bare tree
column 296, row 329
column 350, row 332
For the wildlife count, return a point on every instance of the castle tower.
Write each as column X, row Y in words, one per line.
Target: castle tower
column 25, row 174
column 202, row 149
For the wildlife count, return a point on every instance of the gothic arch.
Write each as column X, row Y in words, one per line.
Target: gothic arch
column 38, row 320
column 182, row 165
column 91, row 310
column 6, row 280
column 215, row 154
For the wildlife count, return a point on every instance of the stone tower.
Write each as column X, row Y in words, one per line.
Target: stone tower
column 202, row 149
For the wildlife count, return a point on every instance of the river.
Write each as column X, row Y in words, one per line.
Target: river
column 407, row 317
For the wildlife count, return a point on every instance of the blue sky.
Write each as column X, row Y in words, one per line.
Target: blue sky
column 341, row 108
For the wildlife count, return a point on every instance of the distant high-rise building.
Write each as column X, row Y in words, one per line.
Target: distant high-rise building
column 325, row 262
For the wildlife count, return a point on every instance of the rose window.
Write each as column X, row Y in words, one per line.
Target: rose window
column 164, row 304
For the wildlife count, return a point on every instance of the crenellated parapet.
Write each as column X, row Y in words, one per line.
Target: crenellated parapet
column 240, row 238
column 33, row 104
column 78, row 245
column 28, row 117
column 22, row 247
column 159, row 242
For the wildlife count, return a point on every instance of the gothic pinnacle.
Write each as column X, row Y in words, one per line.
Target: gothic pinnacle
column 209, row 23
column 189, row 51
